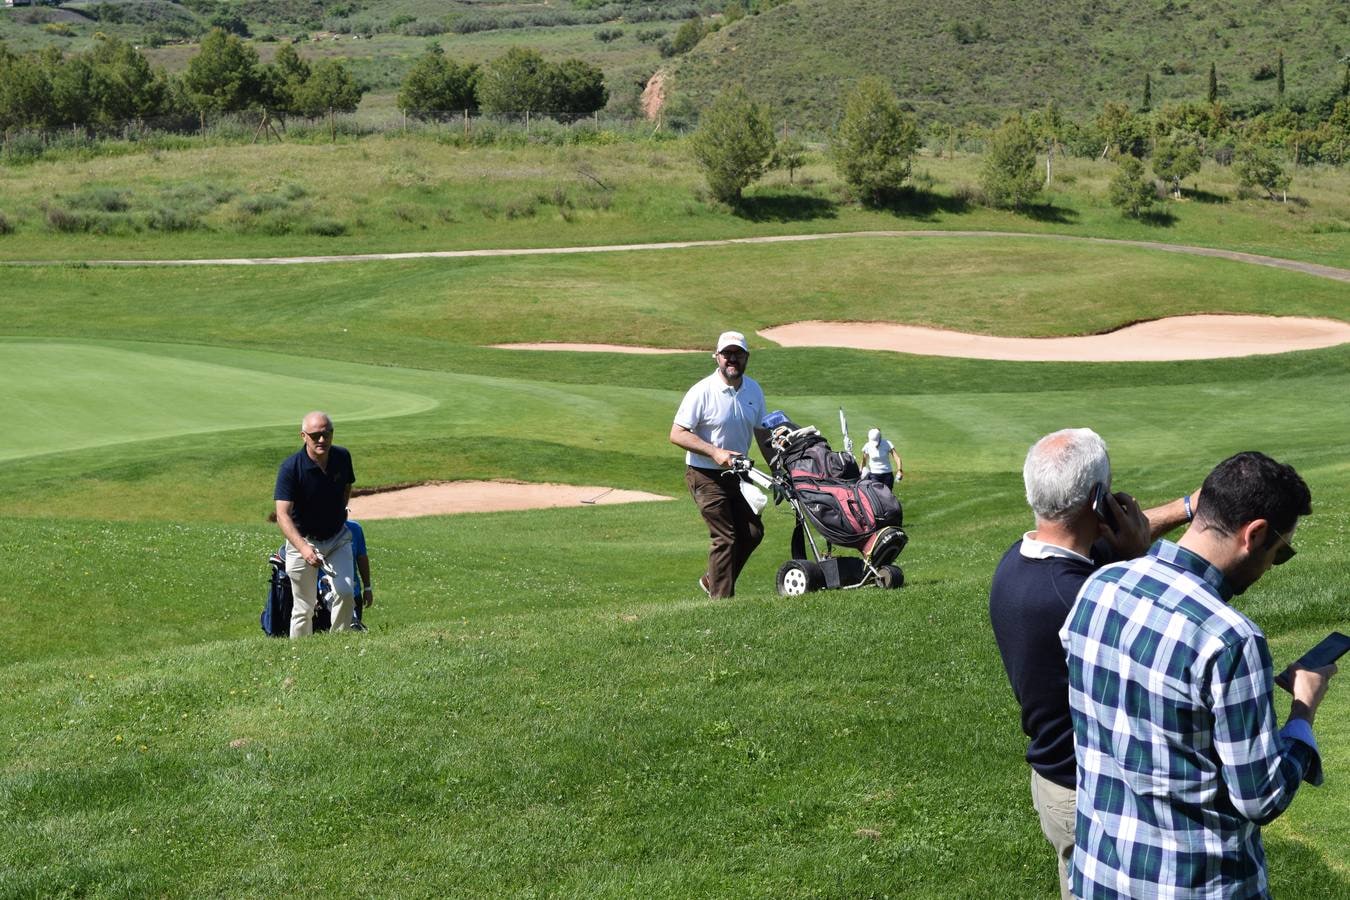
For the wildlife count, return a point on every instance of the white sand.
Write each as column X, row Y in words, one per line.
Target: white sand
column 449, row 498
column 1180, row 337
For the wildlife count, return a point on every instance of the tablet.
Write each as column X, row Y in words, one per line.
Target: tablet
column 1330, row 649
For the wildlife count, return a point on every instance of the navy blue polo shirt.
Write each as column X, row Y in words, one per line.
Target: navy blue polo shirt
column 319, row 498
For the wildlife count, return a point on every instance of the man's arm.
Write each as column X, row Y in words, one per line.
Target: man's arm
column 1162, row 519
column 367, row 592
column 1261, row 766
column 292, row 533
column 684, row 438
column 899, row 466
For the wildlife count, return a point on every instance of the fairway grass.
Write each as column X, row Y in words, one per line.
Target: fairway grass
column 78, row 396
column 546, row 704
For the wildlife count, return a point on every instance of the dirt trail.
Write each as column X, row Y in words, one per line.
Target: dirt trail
column 1291, row 265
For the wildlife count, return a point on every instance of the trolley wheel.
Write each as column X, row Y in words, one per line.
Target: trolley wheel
column 890, row 577
column 799, row 576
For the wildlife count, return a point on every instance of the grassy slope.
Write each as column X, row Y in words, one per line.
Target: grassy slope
column 801, row 56
column 414, row 193
column 538, row 714
column 547, row 705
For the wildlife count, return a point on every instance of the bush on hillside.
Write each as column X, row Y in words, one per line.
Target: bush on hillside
column 1130, row 191
column 1260, row 167
column 1008, row 174
column 874, row 145
column 1173, row 161
column 733, row 144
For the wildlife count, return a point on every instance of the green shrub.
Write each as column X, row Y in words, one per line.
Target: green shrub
column 105, row 199
column 326, row 227
column 6, row 226
column 1130, row 190
column 874, row 144
column 1008, row 175
column 63, row 220
column 170, row 218
column 733, row 144
column 257, row 204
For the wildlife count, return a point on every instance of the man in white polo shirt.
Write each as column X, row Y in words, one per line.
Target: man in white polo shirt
column 714, row 424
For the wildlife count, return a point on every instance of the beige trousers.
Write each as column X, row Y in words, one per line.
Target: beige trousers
column 305, row 583
column 1055, row 805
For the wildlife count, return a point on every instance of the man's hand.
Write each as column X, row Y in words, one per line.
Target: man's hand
column 722, row 457
column 1310, row 686
column 367, row 598
column 1131, row 536
column 311, row 555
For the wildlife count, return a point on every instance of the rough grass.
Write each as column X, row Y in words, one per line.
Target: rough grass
column 425, row 191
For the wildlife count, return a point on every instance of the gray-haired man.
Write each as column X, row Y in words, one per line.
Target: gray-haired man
column 1034, row 588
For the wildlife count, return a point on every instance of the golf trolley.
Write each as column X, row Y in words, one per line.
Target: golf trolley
column 829, row 497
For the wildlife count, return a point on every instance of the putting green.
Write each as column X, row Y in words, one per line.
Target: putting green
column 70, row 396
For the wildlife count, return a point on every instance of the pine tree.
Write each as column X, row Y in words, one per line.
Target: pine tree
column 1279, row 82
column 1213, row 84
column 873, row 147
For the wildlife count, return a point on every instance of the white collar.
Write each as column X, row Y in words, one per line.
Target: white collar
column 1034, row 549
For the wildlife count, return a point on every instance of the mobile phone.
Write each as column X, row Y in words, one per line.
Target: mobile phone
column 1102, row 508
column 1330, row 649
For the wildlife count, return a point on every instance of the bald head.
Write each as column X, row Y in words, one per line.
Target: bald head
column 317, row 430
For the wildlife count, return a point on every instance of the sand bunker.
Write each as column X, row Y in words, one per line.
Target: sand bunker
column 449, row 498
column 590, row 348
column 1180, row 337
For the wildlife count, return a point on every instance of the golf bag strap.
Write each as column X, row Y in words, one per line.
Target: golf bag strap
column 798, row 542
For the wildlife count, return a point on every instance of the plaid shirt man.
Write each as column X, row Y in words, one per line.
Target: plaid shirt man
column 1179, row 759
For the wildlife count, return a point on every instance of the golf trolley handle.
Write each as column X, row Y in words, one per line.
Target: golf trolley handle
column 744, row 465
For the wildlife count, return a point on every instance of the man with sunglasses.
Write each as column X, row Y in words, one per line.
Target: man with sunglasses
column 312, row 490
column 715, row 422
column 1180, row 758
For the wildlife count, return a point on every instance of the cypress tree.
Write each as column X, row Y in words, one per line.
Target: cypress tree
column 1279, row 83
column 1148, row 92
column 1213, row 84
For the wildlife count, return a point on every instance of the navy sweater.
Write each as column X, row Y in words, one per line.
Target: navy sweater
column 1028, row 603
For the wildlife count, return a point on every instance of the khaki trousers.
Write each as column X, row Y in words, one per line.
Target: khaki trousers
column 305, row 583
column 1056, row 807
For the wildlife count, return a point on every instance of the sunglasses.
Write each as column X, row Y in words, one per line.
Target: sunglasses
column 1285, row 552
column 316, row 435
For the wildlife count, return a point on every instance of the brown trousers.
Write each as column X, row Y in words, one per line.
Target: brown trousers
column 735, row 530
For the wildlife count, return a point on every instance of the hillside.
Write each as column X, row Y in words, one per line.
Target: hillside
column 964, row 60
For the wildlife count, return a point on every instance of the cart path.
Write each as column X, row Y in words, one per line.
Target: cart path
column 1306, row 268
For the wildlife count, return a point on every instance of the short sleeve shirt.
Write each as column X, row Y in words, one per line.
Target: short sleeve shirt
column 319, row 498
column 878, row 455
column 721, row 415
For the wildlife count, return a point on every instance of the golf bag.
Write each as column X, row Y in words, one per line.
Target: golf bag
column 276, row 613
column 846, row 509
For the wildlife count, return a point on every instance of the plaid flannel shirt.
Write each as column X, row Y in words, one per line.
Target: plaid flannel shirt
column 1179, row 758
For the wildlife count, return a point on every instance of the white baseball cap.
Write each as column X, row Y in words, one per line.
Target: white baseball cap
column 731, row 339
column 873, row 434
